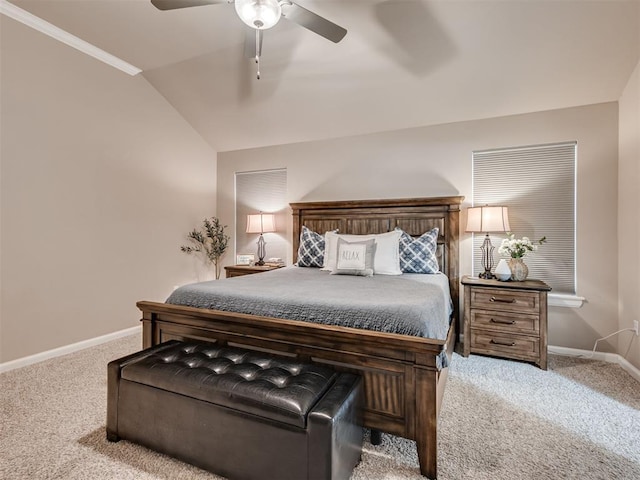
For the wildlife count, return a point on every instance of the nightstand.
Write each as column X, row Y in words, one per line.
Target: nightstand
column 506, row 319
column 239, row 270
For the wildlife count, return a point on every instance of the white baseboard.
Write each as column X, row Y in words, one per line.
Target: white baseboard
column 74, row 347
column 603, row 356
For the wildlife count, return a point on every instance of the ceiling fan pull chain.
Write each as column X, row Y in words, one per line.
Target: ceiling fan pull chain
column 258, row 53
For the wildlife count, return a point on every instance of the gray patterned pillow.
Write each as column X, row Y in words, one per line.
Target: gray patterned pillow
column 419, row 255
column 311, row 249
column 355, row 258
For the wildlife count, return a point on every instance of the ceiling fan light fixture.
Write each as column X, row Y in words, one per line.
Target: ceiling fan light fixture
column 259, row 14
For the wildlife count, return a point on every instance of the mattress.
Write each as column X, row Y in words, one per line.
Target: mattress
column 407, row 304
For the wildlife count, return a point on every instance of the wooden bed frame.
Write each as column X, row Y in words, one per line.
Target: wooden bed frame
column 403, row 376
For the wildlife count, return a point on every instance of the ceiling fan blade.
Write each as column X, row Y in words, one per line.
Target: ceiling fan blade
column 313, row 22
column 250, row 43
column 175, row 4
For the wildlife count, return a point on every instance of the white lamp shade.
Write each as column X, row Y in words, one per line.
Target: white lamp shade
column 259, row 14
column 488, row 219
column 261, row 223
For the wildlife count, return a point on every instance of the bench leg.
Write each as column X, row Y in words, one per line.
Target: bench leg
column 376, row 437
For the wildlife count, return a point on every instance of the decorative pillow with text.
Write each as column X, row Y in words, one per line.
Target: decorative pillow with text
column 355, row 258
column 387, row 258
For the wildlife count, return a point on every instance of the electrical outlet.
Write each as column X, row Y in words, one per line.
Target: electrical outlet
column 635, row 327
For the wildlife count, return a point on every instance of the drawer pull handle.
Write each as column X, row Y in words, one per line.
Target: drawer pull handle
column 504, row 344
column 503, row 322
column 502, row 300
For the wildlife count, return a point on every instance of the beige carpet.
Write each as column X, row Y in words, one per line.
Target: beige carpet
column 500, row 420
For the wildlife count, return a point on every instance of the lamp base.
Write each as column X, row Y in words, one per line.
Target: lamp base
column 487, row 258
column 261, row 251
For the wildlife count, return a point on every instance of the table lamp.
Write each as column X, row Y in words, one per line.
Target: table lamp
column 261, row 223
column 487, row 220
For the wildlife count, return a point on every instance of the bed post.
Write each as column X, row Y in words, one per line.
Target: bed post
column 148, row 327
column 426, row 426
column 453, row 257
column 297, row 227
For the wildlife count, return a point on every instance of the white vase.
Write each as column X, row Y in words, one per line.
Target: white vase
column 502, row 271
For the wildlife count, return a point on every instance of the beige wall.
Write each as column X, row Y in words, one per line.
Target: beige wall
column 101, row 178
column 437, row 161
column 100, row 181
column 629, row 217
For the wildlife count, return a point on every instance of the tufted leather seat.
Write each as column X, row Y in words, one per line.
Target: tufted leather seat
column 238, row 413
column 279, row 388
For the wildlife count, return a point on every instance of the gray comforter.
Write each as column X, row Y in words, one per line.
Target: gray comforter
column 409, row 304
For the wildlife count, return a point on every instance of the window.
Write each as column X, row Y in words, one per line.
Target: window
column 262, row 191
column 538, row 184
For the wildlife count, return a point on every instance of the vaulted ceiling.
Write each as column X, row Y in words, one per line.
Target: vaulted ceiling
column 403, row 63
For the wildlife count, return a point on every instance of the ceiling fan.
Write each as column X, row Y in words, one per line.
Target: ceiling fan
column 263, row 14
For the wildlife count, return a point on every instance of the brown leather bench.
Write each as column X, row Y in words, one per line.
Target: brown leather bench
column 237, row 413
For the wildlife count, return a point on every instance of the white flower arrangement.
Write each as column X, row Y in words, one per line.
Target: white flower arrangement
column 518, row 247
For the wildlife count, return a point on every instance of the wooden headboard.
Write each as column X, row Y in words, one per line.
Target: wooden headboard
column 413, row 215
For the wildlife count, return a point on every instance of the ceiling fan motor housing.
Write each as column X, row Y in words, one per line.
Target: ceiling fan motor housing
column 259, row 14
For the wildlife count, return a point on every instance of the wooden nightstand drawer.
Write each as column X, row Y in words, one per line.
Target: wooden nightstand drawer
column 238, row 273
column 505, row 322
column 505, row 300
column 517, row 346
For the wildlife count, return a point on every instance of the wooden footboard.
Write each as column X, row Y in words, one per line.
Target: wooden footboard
column 403, row 378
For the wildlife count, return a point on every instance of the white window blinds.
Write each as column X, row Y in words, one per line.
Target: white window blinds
column 538, row 184
column 262, row 191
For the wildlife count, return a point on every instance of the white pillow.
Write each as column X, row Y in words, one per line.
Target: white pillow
column 387, row 257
